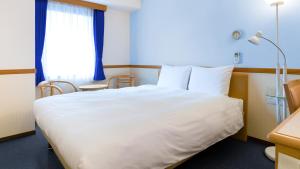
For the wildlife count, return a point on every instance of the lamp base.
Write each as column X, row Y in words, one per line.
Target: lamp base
column 270, row 153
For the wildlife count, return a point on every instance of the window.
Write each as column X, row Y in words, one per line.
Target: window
column 69, row 49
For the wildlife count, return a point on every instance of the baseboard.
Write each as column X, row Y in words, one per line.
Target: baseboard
column 8, row 138
column 264, row 142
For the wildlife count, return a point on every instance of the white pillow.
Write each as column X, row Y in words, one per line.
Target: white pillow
column 176, row 77
column 215, row 81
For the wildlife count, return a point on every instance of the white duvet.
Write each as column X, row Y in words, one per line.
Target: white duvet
column 143, row 127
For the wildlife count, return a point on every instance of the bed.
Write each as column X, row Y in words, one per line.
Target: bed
column 140, row 127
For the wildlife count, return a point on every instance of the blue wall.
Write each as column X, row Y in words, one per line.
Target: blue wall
column 199, row 32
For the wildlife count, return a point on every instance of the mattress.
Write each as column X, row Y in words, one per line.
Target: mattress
column 144, row 127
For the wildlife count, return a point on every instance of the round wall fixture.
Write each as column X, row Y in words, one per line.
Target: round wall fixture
column 236, row 35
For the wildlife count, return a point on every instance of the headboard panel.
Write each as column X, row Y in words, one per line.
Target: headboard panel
column 239, row 89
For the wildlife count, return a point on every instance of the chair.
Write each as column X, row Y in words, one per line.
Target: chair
column 122, row 80
column 292, row 91
column 52, row 87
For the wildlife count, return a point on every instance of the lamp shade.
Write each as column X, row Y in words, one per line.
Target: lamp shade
column 275, row 2
column 254, row 40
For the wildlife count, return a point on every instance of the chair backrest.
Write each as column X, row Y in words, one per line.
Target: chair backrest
column 47, row 89
column 55, row 82
column 292, row 91
column 121, row 80
column 51, row 88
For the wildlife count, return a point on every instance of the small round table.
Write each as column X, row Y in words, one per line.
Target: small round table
column 93, row 87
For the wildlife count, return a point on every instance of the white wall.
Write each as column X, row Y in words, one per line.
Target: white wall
column 16, row 101
column 116, row 40
column 17, row 34
column 16, row 52
column 261, row 108
column 116, row 37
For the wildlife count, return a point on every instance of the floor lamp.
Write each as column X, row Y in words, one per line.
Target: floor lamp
column 280, row 114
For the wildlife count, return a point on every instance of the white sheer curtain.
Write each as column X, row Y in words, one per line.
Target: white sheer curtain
column 69, row 52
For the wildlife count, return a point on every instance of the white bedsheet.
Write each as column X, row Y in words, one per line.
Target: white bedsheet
column 143, row 127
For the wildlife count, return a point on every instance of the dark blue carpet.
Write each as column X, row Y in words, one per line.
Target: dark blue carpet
column 31, row 153
column 231, row 154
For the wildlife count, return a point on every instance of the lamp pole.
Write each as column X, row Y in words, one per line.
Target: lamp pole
column 281, row 114
column 277, row 78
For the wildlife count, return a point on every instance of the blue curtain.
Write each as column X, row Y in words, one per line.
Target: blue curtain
column 40, row 30
column 99, row 38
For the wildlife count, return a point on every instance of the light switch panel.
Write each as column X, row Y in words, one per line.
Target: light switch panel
column 237, row 58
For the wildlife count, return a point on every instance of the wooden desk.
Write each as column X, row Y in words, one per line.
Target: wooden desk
column 286, row 137
column 93, row 87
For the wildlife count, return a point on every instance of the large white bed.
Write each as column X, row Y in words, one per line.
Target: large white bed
column 146, row 127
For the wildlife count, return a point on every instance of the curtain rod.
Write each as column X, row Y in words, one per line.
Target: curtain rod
column 84, row 4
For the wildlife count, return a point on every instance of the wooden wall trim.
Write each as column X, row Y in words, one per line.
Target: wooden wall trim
column 145, row 66
column 17, row 71
column 85, row 4
column 116, row 66
column 132, row 66
column 265, row 70
column 241, row 70
column 8, row 138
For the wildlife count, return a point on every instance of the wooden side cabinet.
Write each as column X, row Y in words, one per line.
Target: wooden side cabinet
column 286, row 137
column 287, row 158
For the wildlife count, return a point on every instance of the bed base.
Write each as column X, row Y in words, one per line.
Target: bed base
column 238, row 89
column 51, row 147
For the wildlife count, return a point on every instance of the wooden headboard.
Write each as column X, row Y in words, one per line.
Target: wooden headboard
column 239, row 89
